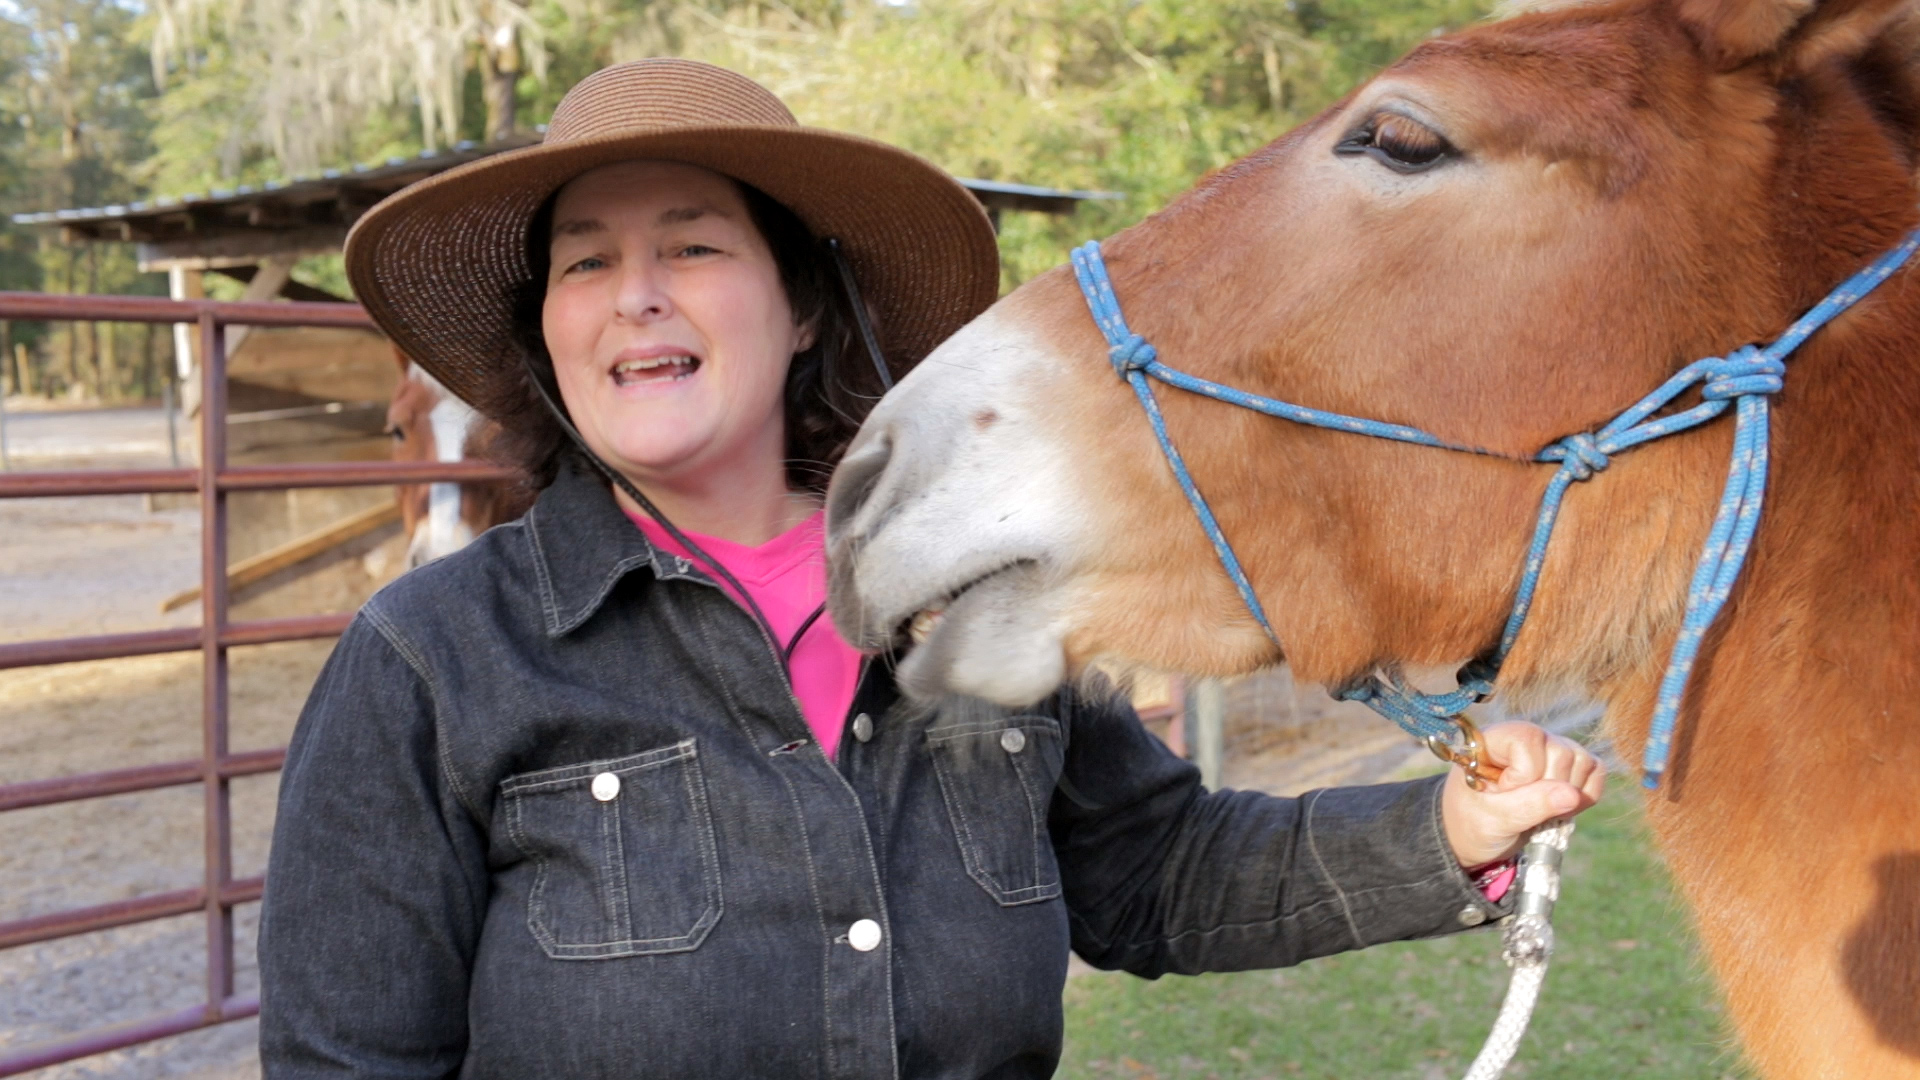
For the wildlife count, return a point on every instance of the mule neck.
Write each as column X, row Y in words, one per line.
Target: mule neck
column 787, row 577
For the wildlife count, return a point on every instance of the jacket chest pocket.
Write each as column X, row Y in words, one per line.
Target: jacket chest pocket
column 624, row 854
column 997, row 779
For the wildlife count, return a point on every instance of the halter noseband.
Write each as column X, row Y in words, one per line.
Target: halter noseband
column 1746, row 376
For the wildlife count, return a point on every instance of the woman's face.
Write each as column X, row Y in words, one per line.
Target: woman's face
column 669, row 329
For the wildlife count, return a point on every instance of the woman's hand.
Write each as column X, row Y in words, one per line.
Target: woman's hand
column 1543, row 777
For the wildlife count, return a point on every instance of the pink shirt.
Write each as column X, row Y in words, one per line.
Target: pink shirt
column 787, row 577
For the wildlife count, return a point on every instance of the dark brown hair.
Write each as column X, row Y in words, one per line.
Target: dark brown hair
column 831, row 385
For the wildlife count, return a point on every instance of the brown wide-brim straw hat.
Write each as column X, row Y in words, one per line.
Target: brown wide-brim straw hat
column 437, row 264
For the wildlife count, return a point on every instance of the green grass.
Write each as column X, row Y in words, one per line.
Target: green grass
column 1626, row 997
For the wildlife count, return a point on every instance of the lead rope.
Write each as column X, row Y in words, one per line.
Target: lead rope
column 1526, row 944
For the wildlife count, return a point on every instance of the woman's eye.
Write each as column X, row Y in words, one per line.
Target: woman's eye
column 1401, row 144
column 592, row 262
column 692, row 250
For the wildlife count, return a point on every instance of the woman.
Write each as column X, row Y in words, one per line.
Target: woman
column 602, row 795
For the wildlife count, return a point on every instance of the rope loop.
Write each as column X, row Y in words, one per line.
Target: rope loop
column 1580, row 455
column 1130, row 354
column 1476, row 677
column 1744, row 371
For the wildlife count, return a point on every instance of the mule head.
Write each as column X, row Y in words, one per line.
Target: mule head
column 427, row 423
column 1507, row 237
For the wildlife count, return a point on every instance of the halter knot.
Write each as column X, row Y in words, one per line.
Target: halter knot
column 1131, row 354
column 1744, row 371
column 1580, row 455
column 1476, row 677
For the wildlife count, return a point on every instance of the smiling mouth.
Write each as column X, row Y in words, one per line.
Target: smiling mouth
column 655, row 369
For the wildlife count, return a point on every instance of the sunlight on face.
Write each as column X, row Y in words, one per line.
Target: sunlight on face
column 669, row 329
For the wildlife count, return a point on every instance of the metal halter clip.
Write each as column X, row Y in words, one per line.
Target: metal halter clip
column 1465, row 754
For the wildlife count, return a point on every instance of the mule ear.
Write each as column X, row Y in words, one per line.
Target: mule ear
column 1801, row 33
column 400, row 358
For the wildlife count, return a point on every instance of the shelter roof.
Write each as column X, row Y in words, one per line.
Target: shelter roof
column 239, row 226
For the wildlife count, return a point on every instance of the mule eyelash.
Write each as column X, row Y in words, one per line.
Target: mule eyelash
column 1400, row 143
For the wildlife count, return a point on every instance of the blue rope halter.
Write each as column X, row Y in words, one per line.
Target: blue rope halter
column 1745, row 376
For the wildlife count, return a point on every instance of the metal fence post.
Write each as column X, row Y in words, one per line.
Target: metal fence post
column 173, row 424
column 1207, row 728
column 213, row 624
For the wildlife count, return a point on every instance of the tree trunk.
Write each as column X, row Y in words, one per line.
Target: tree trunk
column 148, row 358
column 96, row 372
column 500, row 76
column 72, row 372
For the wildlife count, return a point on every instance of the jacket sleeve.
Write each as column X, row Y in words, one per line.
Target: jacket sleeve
column 1161, row 876
column 376, row 884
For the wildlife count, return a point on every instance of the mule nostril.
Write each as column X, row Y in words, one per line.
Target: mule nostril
column 854, row 483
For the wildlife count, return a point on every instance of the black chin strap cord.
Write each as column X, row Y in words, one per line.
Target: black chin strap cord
column 646, row 504
column 859, row 306
column 805, row 625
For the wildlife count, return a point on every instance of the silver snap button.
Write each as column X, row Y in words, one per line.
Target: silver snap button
column 1472, row 916
column 606, row 787
column 863, row 727
column 864, row 935
column 1013, row 740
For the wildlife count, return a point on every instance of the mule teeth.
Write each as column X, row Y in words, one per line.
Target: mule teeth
column 923, row 623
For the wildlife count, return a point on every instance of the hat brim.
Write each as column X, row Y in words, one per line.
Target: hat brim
column 438, row 263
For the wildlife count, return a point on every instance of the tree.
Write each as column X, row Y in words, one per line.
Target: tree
column 74, row 88
column 318, row 73
column 1139, row 97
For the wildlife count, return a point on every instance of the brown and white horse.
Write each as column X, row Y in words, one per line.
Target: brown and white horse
column 1508, row 236
column 429, row 424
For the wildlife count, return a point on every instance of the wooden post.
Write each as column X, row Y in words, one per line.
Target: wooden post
column 1207, row 728
column 5, row 465
column 185, row 284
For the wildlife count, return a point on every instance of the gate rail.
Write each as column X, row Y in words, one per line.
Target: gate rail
column 219, row 892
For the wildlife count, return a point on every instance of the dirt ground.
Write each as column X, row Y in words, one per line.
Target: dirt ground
column 79, row 566
column 99, row 565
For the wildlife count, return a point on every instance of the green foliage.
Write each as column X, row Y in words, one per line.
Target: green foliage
column 74, row 94
column 1626, row 996
column 1138, row 97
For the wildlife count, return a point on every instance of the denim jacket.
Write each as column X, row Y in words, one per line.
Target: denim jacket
column 553, row 811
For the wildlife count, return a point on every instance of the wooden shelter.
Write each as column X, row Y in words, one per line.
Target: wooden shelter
column 255, row 234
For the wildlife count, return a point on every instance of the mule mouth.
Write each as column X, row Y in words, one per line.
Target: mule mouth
column 918, row 629
column 996, row 638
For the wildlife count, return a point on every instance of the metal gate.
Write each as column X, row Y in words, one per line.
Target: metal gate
column 219, row 892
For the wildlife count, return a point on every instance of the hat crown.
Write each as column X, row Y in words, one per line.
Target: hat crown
column 661, row 94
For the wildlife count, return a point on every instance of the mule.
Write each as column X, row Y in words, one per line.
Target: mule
column 1506, row 237
column 429, row 424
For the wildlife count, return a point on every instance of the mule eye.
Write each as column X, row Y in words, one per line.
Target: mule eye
column 1401, row 144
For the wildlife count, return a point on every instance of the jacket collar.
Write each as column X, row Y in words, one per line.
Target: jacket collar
column 583, row 544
